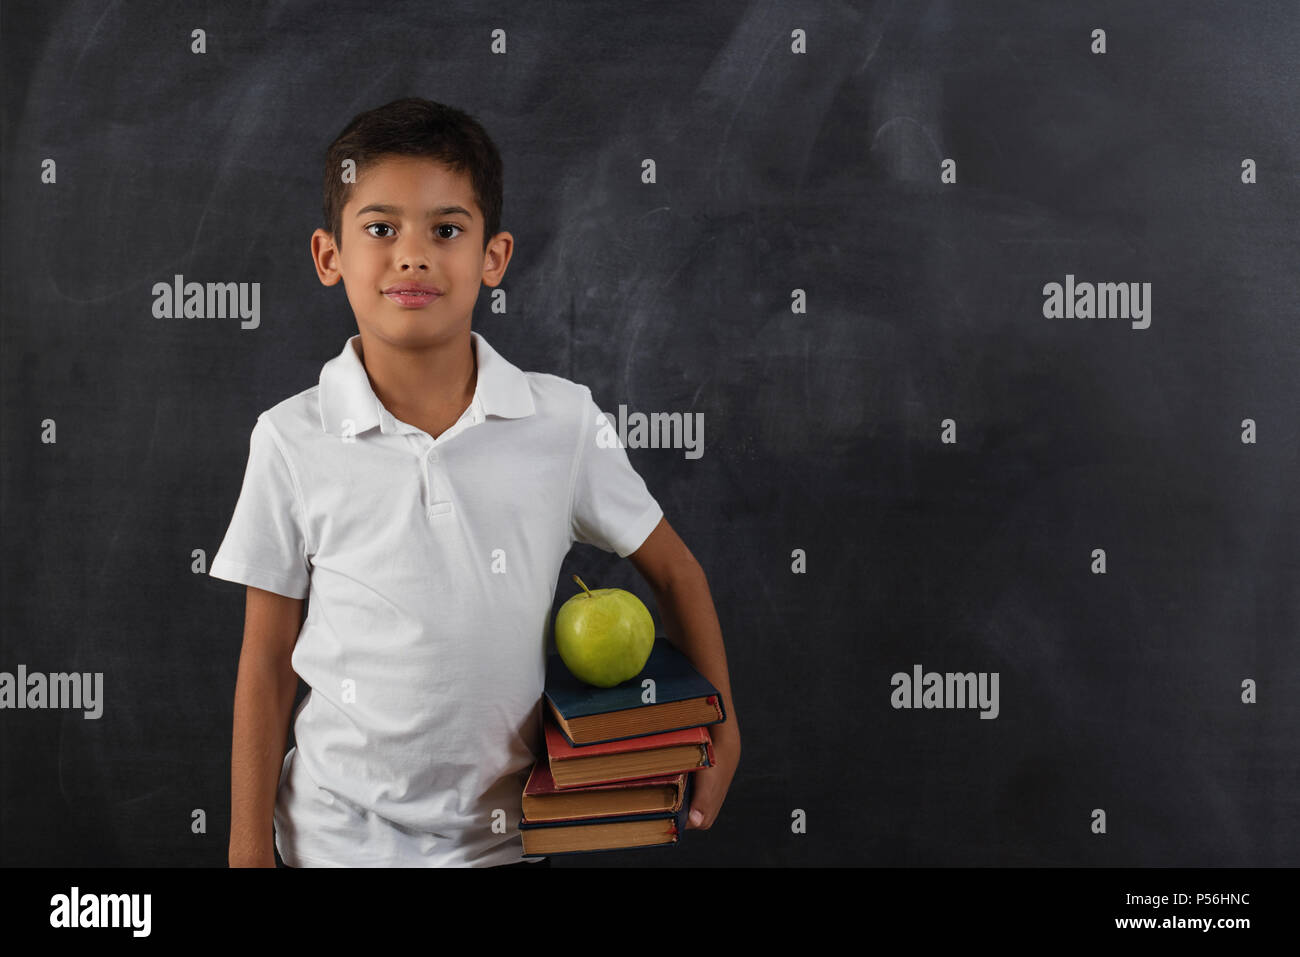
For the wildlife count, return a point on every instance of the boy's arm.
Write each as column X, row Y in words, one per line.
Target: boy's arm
column 691, row 623
column 264, row 693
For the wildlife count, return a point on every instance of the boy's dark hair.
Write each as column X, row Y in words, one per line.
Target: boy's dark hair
column 415, row 127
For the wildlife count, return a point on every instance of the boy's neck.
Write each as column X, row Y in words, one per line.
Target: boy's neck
column 422, row 383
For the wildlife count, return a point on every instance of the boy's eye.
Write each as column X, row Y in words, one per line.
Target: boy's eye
column 441, row 226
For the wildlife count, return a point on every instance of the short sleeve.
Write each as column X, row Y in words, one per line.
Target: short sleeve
column 611, row 507
column 265, row 545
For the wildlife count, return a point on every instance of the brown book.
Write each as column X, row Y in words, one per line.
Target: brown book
column 543, row 801
column 608, row 833
column 611, row 834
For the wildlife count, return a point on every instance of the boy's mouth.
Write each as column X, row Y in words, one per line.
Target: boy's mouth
column 412, row 294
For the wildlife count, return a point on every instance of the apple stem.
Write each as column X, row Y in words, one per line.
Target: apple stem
column 584, row 587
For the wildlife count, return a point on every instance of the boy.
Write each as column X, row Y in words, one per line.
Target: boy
column 424, row 494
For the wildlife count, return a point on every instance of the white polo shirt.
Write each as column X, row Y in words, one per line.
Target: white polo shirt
column 430, row 567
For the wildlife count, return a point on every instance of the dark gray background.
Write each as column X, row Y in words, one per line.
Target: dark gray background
column 775, row 171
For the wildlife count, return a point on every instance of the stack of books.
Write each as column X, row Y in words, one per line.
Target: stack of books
column 618, row 768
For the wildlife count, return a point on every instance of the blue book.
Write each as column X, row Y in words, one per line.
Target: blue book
column 680, row 697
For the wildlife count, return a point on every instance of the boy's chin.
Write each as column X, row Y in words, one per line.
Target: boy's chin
column 413, row 328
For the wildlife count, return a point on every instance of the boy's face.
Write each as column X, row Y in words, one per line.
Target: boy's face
column 430, row 232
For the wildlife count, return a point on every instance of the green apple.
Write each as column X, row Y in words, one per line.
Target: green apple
column 604, row 636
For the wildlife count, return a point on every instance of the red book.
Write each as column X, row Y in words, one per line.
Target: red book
column 627, row 759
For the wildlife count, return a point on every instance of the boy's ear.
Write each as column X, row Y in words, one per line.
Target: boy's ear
column 324, row 255
column 496, row 257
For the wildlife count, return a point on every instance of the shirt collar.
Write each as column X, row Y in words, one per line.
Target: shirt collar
column 345, row 392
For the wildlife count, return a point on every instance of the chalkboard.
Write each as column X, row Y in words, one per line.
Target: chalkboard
column 919, row 456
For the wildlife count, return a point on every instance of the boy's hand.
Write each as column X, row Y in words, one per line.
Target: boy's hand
column 709, row 789
column 691, row 624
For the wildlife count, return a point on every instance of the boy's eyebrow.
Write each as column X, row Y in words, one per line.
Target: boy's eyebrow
column 397, row 210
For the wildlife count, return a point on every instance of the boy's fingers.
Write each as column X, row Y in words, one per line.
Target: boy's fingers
column 707, row 795
column 702, row 804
